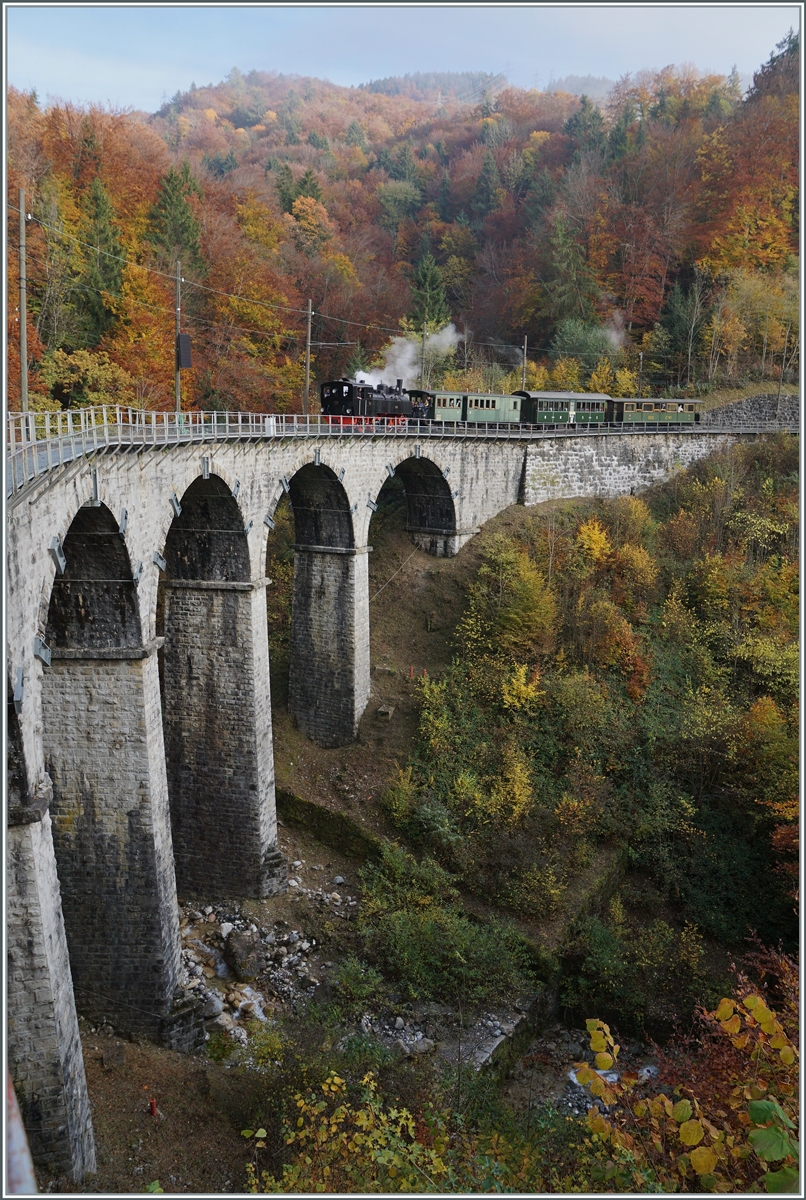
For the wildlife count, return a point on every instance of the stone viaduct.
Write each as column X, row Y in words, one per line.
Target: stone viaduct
column 139, row 718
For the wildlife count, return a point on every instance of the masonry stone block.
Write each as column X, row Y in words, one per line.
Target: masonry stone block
column 329, row 680
column 111, row 833
column 44, row 1049
column 218, row 740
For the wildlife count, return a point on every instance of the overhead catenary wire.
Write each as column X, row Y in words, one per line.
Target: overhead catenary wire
column 391, row 577
column 281, row 335
column 394, row 331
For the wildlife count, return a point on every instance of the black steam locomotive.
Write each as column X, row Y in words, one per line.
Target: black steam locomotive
column 347, row 402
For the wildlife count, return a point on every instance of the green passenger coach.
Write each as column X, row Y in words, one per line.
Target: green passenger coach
column 659, row 412
column 563, row 408
column 477, row 408
column 486, row 408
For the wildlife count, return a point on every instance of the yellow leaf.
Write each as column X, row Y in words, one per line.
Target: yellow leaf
column 787, row 1056
column 691, row 1133
column 591, row 1025
column 733, row 1025
column 703, row 1160
column 597, row 1122
column 598, row 1042
column 741, row 1042
column 725, row 1010
column 604, row 1061
column 750, row 1002
column 585, row 1075
column 778, row 1042
column 681, row 1111
column 597, row 1087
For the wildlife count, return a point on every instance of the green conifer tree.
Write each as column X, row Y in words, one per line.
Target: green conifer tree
column 174, row 230
column 308, row 186
column 444, row 207
column 355, row 135
column 571, row 289
column 488, row 193
column 430, row 304
column 103, row 257
column 586, row 127
column 286, row 188
column 404, row 165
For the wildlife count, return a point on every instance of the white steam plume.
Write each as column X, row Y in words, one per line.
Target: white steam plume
column 615, row 329
column 403, row 358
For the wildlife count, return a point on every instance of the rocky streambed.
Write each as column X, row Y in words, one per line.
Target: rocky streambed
column 244, row 973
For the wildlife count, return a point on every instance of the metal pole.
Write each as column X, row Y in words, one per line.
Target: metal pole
column 783, row 361
column 523, row 372
column 640, row 371
column 176, row 351
column 422, row 366
column 307, row 364
column 23, row 312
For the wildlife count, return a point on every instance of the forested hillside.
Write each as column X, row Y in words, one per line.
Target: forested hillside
column 661, row 224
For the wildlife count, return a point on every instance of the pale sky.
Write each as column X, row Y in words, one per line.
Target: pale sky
column 138, row 55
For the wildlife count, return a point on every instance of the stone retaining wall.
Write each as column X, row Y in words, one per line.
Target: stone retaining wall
column 766, row 407
column 563, row 468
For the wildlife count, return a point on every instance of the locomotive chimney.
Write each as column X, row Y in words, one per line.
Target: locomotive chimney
column 400, row 385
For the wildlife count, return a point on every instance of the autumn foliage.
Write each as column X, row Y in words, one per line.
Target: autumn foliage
column 664, row 223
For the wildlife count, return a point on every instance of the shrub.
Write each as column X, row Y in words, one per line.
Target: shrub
column 412, row 925
column 537, row 892
column 357, row 986
column 648, row 973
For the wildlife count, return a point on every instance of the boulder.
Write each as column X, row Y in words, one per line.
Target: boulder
column 213, row 1005
column 245, row 954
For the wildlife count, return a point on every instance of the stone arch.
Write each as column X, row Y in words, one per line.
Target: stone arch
column 93, row 603
column 328, row 685
column 430, row 508
column 321, row 509
column 207, row 539
column 103, row 751
column 216, row 709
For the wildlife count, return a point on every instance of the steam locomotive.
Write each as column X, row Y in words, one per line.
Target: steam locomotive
column 352, row 403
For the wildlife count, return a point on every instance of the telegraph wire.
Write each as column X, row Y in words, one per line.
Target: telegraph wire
column 394, row 331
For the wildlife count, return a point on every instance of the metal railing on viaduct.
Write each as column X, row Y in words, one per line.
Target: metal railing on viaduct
column 38, row 442
column 139, row 716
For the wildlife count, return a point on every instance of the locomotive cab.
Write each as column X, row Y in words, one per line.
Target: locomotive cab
column 346, row 398
column 423, row 405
